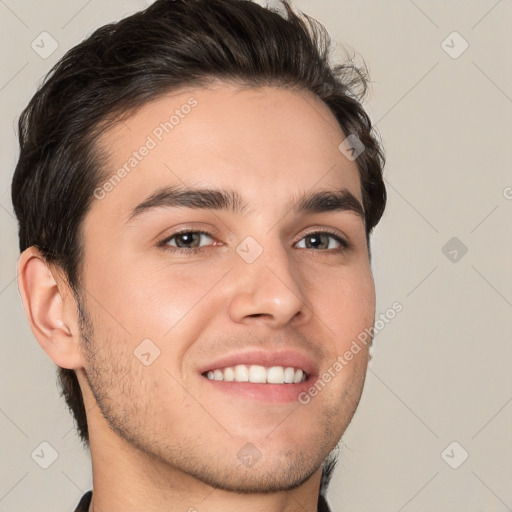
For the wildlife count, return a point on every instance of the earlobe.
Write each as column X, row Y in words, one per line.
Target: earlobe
column 44, row 297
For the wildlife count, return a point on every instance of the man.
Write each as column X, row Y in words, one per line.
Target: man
column 195, row 191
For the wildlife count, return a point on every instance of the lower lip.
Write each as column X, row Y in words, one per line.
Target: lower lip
column 274, row 393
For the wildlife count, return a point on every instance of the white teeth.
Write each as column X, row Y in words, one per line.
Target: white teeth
column 289, row 375
column 259, row 374
column 275, row 375
column 241, row 373
column 229, row 374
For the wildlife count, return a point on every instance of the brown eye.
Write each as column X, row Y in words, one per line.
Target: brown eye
column 188, row 240
column 322, row 241
column 185, row 240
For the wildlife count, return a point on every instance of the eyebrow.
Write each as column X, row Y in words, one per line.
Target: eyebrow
column 230, row 200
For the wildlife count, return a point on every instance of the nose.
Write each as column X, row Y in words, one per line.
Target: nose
column 270, row 290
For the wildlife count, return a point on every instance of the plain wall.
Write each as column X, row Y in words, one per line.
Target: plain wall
column 440, row 371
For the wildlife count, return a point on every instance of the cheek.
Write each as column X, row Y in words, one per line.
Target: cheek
column 170, row 298
column 345, row 302
column 149, row 301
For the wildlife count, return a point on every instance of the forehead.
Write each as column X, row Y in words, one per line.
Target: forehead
column 270, row 143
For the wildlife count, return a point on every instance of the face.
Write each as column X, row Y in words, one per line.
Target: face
column 242, row 278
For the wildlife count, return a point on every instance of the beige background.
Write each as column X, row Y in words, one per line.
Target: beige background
column 441, row 368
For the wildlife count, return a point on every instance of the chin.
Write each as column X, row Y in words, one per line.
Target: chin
column 262, row 478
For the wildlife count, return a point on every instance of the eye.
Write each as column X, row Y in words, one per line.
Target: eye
column 322, row 240
column 185, row 241
column 190, row 241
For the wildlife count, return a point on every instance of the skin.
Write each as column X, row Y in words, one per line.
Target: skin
column 160, row 436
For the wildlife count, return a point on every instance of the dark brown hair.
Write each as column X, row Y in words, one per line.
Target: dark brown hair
column 121, row 66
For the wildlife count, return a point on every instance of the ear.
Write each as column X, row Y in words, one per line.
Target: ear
column 50, row 308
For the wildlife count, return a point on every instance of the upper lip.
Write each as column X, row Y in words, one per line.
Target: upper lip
column 285, row 358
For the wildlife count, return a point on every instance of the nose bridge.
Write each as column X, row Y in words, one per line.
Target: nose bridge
column 267, row 252
column 266, row 283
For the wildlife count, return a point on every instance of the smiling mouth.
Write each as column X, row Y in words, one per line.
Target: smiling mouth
column 258, row 374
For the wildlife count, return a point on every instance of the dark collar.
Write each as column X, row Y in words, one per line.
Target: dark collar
column 83, row 506
column 322, row 504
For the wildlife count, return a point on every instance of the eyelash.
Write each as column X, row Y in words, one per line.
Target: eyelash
column 344, row 245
